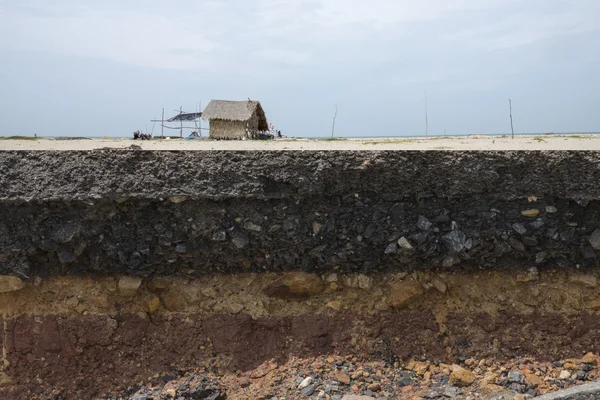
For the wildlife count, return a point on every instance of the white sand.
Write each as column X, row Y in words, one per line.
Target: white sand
column 545, row 142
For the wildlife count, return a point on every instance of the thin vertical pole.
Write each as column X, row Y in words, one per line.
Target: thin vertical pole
column 511, row 118
column 426, row 116
column 162, row 124
column 181, row 122
column 200, row 118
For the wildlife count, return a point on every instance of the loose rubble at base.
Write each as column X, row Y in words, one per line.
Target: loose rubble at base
column 348, row 378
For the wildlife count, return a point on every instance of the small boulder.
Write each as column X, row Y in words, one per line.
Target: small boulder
column 461, row 377
column 595, row 239
column 129, row 285
column 440, row 285
column 585, row 280
column 590, row 358
column 532, row 213
column 342, row 378
column 404, row 244
column 10, row 284
column 100, row 302
column 152, row 304
column 295, row 285
column 335, row 305
column 5, row 380
column 402, row 294
column 173, row 301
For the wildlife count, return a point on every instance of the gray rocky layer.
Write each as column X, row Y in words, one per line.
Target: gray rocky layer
column 161, row 212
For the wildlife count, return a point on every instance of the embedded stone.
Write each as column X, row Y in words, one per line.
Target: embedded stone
column 250, row 226
column 295, row 285
column 440, row 285
column 461, row 377
column 585, row 280
column 101, row 302
column 129, row 285
column 405, row 244
column 5, row 380
column 152, row 304
column 403, row 294
column 176, row 200
column 532, row 213
column 10, row 284
column 595, row 239
column 173, row 301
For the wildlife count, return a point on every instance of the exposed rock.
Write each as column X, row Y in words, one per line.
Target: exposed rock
column 532, row 213
column 158, row 285
column 5, row 380
column 424, row 224
column 181, row 248
column 219, row 236
column 335, row 305
column 461, row 377
column 264, row 369
column 152, row 304
column 129, row 285
column 101, row 302
column 519, row 228
column 402, row 294
column 317, row 227
column 532, row 378
column 491, row 388
column 342, row 378
column 440, row 285
column 516, row 377
column 307, row 391
column 173, row 301
column 244, row 382
column 63, row 233
column 419, row 368
column 294, row 285
column 404, row 244
column 595, row 239
column 10, row 283
column 249, row 226
column 517, row 245
column 365, row 282
column 392, row 248
column 176, row 200
column 233, row 308
column 240, row 240
column 564, row 374
column 551, row 209
column 590, row 358
column 357, row 397
column 305, row 382
column 585, row 280
column 455, row 241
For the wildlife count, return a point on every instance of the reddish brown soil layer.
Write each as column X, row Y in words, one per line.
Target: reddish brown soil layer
column 87, row 356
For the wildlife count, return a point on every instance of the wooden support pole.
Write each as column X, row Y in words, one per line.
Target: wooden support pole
column 511, row 118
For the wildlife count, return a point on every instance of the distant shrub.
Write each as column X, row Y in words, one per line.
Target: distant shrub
column 19, row 138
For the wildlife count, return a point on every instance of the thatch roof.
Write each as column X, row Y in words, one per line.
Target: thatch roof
column 236, row 111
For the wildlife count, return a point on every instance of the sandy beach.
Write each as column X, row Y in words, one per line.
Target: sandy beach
column 478, row 142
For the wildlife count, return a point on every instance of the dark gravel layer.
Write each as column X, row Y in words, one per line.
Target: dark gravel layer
column 143, row 213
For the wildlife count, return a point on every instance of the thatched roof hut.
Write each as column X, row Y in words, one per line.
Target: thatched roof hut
column 234, row 119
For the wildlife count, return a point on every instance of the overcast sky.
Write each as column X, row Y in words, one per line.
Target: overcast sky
column 77, row 67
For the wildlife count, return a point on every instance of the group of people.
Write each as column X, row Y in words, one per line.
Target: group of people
column 142, row 136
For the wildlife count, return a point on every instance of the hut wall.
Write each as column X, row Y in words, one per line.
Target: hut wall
column 253, row 122
column 223, row 129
